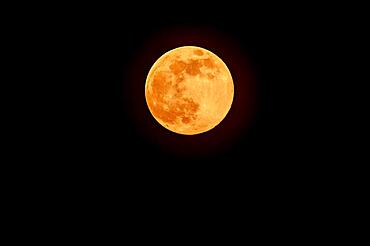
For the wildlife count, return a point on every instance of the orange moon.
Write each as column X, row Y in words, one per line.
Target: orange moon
column 189, row 90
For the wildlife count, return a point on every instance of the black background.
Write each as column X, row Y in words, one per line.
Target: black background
column 98, row 149
column 89, row 154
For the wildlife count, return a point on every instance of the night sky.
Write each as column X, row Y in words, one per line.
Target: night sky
column 96, row 153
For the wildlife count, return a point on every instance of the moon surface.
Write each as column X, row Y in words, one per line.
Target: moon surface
column 189, row 90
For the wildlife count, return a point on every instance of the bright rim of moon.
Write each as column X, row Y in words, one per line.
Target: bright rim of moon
column 189, row 90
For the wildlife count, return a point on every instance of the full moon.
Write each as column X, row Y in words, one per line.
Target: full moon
column 189, row 90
